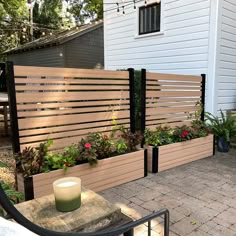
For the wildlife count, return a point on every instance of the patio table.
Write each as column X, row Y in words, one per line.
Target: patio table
column 95, row 214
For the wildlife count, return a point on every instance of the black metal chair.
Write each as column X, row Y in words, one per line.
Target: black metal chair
column 19, row 218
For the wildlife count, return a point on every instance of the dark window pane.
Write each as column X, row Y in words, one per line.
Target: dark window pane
column 149, row 18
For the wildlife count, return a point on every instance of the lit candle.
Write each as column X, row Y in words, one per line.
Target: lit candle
column 67, row 192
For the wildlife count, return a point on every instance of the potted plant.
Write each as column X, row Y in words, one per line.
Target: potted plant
column 101, row 161
column 224, row 128
column 170, row 147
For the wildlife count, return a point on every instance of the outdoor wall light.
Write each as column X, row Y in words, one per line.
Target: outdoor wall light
column 67, row 192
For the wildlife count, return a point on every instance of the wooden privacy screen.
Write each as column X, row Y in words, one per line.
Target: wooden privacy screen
column 169, row 99
column 66, row 104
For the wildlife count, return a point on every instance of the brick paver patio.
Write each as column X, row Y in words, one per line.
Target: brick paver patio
column 201, row 197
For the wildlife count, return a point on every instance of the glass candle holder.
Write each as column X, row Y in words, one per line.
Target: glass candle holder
column 67, row 192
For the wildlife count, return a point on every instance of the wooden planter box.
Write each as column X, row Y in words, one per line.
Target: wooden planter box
column 108, row 173
column 176, row 154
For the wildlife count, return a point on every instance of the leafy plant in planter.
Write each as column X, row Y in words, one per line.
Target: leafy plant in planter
column 111, row 159
column 224, row 128
column 160, row 136
column 94, row 147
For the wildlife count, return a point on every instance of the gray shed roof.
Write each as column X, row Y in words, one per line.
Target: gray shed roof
column 56, row 39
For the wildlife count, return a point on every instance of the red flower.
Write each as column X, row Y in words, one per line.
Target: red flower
column 87, row 145
column 67, row 164
column 184, row 134
column 105, row 136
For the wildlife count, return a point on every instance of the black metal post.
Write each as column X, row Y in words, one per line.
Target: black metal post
column 145, row 163
column 214, row 141
column 203, row 95
column 12, row 105
column 129, row 233
column 143, row 102
column 29, row 188
column 3, row 86
column 166, row 223
column 132, row 100
column 155, row 157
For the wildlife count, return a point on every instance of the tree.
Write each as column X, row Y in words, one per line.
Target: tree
column 47, row 15
column 87, row 9
column 13, row 14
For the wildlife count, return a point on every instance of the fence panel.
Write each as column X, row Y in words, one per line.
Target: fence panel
column 170, row 99
column 66, row 104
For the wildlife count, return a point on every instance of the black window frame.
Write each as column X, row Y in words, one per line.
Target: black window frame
column 143, row 10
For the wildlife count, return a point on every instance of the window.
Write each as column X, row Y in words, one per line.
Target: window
column 150, row 18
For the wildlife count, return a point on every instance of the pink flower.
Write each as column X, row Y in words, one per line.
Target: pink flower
column 87, row 145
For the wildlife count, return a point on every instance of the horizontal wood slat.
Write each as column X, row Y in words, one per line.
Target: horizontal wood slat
column 61, row 81
column 171, row 83
column 68, row 72
column 70, row 111
column 154, row 111
column 171, row 99
column 49, row 130
column 64, row 134
column 186, row 159
column 170, row 104
column 72, row 104
column 175, row 88
column 172, row 125
column 71, row 87
column 172, row 94
column 173, row 77
column 70, row 119
column 69, row 96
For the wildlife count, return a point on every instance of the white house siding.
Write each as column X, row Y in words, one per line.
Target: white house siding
column 182, row 48
column 226, row 59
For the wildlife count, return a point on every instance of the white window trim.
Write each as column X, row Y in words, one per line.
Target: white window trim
column 161, row 32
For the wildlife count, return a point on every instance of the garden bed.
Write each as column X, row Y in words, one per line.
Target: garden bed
column 171, row 155
column 108, row 173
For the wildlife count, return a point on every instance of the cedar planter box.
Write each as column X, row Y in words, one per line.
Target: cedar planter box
column 176, row 154
column 108, row 173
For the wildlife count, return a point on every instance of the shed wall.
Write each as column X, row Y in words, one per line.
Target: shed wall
column 50, row 57
column 86, row 51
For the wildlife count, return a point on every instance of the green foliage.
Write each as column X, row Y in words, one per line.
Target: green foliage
column 131, row 139
column 47, row 14
column 160, row 136
column 12, row 194
column 182, row 133
column 13, row 13
column 87, row 9
column 223, row 126
column 121, row 146
column 90, row 149
column 31, row 161
column 87, row 150
column 166, row 135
